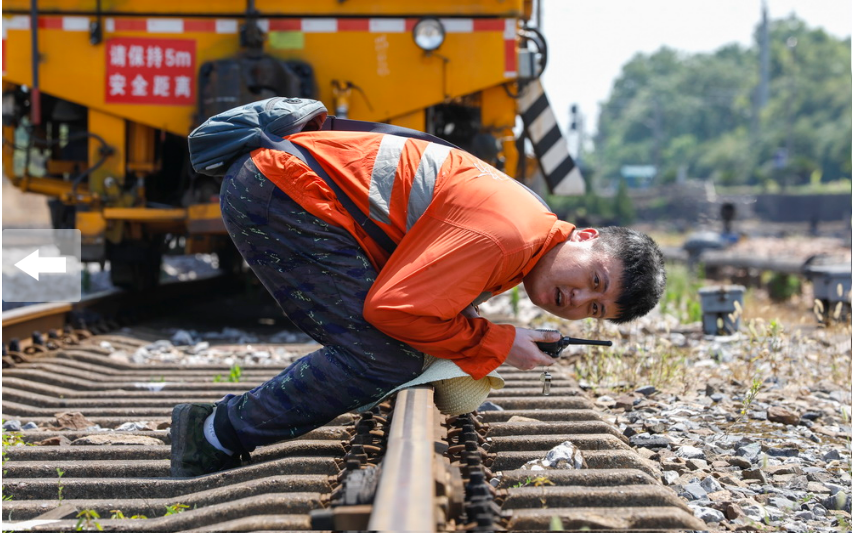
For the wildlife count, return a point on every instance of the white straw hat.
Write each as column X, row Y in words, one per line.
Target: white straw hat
column 455, row 391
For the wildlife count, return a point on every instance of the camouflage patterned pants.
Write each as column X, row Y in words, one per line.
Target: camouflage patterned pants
column 320, row 277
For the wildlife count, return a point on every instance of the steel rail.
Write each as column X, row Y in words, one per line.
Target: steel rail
column 405, row 498
column 399, row 467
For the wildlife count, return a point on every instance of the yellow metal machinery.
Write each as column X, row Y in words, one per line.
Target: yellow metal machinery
column 99, row 95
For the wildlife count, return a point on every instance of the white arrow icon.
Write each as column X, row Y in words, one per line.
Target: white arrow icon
column 35, row 265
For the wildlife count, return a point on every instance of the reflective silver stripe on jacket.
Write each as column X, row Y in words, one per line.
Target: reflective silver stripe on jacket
column 423, row 186
column 382, row 177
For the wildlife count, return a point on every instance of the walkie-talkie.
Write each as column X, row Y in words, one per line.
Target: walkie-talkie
column 553, row 349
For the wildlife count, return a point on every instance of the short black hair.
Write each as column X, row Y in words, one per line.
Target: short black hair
column 643, row 280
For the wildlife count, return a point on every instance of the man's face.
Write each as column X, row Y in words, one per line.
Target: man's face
column 574, row 281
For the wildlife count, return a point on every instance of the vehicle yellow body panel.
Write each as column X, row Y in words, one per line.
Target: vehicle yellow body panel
column 396, row 77
column 362, row 55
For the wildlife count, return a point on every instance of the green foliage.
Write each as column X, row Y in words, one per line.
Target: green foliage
column 592, row 209
column 672, row 109
column 13, row 439
column 556, row 523
column 756, row 383
column 176, row 508
column 59, row 486
column 236, row 373
column 515, row 300
column 86, row 519
column 781, row 287
column 117, row 514
column 624, row 211
column 681, row 298
column 538, row 481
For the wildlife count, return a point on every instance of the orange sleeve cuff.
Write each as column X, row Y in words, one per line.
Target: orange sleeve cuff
column 493, row 351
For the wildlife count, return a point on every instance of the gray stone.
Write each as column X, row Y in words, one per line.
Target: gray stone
column 832, row 455
column 839, row 501
column 710, row 484
column 804, row 516
column 646, row 390
column 697, row 464
column 756, row 473
column 755, row 511
column 740, row 462
column 159, row 345
column 670, row 476
column 707, row 514
column 833, row 488
column 657, row 427
column 694, row 491
column 717, row 397
column 730, row 440
column 182, row 338
column 12, row 425
column 781, row 452
column 782, row 415
column 629, row 432
column 749, row 451
column 645, row 440
column 489, row 406
column 781, row 503
column 29, row 425
column 798, row 483
column 795, row 527
column 133, row 426
column 757, row 415
column 818, row 489
column 690, row 452
column 204, row 345
column 605, row 400
column 839, row 396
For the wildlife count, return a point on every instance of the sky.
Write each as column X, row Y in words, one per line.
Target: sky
column 590, row 40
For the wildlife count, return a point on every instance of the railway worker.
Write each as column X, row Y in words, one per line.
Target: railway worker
column 463, row 231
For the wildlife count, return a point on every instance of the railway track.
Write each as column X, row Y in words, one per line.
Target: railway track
column 401, row 466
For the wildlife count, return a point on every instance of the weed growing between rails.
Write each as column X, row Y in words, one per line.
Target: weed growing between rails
column 59, row 486
column 234, row 376
column 750, row 396
column 86, row 519
column 117, row 514
column 539, row 481
column 681, row 297
column 648, row 360
column 176, row 508
column 9, row 439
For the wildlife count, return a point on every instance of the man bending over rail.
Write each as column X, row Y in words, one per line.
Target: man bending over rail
column 463, row 232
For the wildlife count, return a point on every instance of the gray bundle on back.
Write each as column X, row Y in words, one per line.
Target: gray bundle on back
column 214, row 145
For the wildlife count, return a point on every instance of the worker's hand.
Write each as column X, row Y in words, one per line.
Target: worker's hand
column 524, row 354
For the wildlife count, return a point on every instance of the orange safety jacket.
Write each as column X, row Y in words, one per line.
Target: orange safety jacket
column 464, row 232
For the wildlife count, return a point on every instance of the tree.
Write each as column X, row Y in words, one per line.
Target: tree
column 674, row 110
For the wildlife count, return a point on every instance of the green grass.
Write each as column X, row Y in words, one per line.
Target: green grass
column 681, row 297
column 86, row 519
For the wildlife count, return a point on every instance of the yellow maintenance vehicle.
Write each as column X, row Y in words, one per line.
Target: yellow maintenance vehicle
column 99, row 96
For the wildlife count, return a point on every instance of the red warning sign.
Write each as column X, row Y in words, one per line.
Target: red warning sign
column 150, row 71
